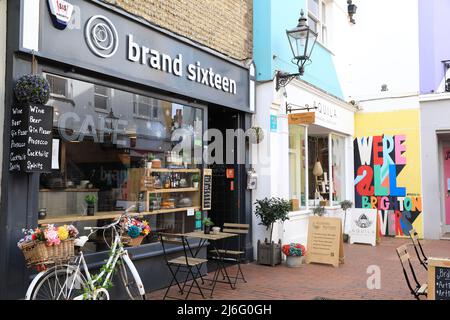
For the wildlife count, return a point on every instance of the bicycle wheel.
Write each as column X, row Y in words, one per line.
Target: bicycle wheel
column 60, row 283
column 129, row 282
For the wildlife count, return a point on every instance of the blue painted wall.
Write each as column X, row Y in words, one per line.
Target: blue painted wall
column 272, row 51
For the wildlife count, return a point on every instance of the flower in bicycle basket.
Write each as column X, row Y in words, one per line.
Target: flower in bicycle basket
column 63, row 233
column 51, row 235
column 134, row 231
column 73, row 232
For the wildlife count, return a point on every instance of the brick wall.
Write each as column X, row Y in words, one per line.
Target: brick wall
column 223, row 25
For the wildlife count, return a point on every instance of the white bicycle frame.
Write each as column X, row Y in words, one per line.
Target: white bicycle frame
column 117, row 252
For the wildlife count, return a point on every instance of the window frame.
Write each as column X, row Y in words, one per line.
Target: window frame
column 108, row 96
column 322, row 37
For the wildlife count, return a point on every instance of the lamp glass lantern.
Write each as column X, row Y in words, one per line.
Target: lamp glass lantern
column 302, row 40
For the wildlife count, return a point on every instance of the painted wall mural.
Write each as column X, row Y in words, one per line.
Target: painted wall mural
column 387, row 177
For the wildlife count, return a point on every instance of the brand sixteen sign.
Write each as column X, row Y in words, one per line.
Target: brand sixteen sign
column 164, row 62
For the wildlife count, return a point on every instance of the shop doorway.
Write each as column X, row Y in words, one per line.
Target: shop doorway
column 445, row 156
column 228, row 190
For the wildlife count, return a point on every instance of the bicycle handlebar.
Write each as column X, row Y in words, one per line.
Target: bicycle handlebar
column 112, row 224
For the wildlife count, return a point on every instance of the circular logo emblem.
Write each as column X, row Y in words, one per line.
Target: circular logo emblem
column 101, row 36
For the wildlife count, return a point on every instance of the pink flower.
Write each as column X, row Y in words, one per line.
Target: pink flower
column 51, row 235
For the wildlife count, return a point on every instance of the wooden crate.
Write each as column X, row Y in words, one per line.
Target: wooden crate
column 269, row 253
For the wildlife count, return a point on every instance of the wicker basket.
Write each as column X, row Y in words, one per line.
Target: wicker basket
column 130, row 242
column 38, row 253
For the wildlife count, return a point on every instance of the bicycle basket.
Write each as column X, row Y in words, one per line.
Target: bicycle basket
column 37, row 253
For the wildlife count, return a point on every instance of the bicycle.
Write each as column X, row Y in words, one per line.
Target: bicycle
column 67, row 281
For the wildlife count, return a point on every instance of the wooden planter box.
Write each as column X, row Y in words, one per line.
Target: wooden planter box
column 269, row 253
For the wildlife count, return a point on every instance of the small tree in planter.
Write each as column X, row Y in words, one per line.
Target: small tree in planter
column 345, row 205
column 90, row 201
column 271, row 210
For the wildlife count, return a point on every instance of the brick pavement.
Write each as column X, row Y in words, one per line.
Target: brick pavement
column 347, row 282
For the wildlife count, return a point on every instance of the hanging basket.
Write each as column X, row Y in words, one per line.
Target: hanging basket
column 32, row 89
column 38, row 253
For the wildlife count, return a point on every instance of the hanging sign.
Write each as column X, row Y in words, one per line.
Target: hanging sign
column 31, row 139
column 207, row 189
column 438, row 279
column 325, row 244
column 363, row 226
column 302, row 118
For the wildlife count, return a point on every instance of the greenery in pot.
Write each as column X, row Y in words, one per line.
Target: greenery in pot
column 90, row 200
column 195, row 180
column 345, row 205
column 207, row 222
column 32, row 89
column 319, row 211
column 271, row 210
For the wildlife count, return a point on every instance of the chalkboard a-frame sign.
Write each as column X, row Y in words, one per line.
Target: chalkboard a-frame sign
column 438, row 279
column 31, row 139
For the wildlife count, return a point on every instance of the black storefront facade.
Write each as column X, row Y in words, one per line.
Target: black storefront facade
column 120, row 88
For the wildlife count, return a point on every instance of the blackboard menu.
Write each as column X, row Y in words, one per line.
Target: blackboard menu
column 207, row 189
column 31, row 139
column 442, row 283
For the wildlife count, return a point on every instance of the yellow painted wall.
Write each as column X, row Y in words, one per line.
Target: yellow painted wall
column 402, row 122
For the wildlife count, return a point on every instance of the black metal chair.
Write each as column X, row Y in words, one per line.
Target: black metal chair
column 183, row 264
column 418, row 247
column 419, row 289
column 234, row 256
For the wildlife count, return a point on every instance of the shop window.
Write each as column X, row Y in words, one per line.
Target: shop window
column 108, row 154
column 297, row 166
column 318, row 166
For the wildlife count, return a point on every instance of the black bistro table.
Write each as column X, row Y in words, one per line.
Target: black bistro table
column 212, row 239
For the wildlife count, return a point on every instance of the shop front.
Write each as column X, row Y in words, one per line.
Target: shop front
column 130, row 104
column 313, row 139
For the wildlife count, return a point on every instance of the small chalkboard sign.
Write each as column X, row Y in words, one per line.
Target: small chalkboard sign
column 31, row 139
column 207, row 189
column 438, row 279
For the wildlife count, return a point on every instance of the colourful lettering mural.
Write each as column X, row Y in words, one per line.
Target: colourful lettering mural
column 386, row 174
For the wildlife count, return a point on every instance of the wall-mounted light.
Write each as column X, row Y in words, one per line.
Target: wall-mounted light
column 351, row 11
column 302, row 40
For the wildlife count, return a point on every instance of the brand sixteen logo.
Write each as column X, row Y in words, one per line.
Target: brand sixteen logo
column 103, row 40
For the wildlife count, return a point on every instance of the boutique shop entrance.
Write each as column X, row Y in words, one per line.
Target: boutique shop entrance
column 229, row 194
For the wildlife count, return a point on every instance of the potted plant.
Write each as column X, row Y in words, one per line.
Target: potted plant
column 32, row 89
column 345, row 205
column 294, row 254
column 271, row 210
column 207, row 222
column 319, row 211
column 195, row 180
column 90, row 200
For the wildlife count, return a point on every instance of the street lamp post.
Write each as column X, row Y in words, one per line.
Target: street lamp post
column 302, row 40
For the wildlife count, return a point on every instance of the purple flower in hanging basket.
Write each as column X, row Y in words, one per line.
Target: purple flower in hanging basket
column 32, row 89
